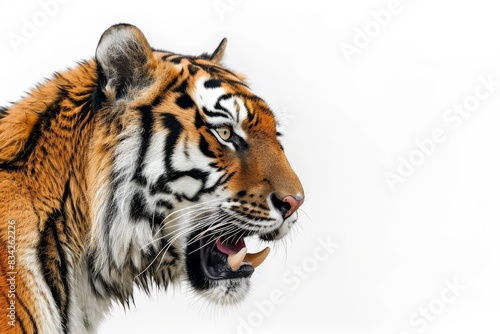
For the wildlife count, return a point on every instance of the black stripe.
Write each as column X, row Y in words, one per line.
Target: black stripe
column 23, row 329
column 147, row 119
column 30, row 315
column 193, row 69
column 175, row 128
column 157, row 220
column 66, row 201
column 65, row 281
column 160, row 186
column 212, row 83
column 214, row 113
column 54, row 277
column 218, row 105
column 205, row 147
column 184, row 101
column 112, row 207
column 41, row 126
column 222, row 181
column 166, row 57
column 198, row 120
column 236, row 83
column 138, row 208
column 176, row 60
column 139, row 211
column 195, row 173
column 182, row 87
column 3, row 112
column 98, row 96
column 147, row 131
column 164, row 203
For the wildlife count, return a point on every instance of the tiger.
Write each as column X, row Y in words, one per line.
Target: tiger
column 137, row 168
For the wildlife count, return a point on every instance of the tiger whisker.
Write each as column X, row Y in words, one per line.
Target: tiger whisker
column 194, row 220
column 219, row 233
column 167, row 246
column 221, row 222
column 164, row 251
column 178, row 234
column 199, row 206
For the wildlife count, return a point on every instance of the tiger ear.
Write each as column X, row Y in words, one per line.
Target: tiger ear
column 124, row 60
column 219, row 52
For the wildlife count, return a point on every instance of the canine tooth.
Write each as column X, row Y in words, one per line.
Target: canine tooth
column 257, row 258
column 235, row 260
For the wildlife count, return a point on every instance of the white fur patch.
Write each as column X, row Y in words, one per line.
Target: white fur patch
column 207, row 97
column 84, row 304
column 48, row 317
column 227, row 292
column 154, row 165
column 186, row 186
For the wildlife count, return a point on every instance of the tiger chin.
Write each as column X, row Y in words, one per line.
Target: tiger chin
column 137, row 168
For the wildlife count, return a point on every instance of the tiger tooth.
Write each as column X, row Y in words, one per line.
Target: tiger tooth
column 257, row 258
column 235, row 260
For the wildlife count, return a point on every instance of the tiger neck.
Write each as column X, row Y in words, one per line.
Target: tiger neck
column 44, row 158
column 59, row 141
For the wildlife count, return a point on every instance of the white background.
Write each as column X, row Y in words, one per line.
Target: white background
column 348, row 124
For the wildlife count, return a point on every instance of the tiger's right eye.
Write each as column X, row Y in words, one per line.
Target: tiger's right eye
column 225, row 132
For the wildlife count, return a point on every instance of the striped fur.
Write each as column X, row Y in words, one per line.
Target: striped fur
column 110, row 170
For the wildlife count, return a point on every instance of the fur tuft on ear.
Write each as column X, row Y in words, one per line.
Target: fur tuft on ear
column 219, row 52
column 125, row 59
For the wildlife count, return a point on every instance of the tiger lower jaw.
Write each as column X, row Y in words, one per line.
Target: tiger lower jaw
column 221, row 272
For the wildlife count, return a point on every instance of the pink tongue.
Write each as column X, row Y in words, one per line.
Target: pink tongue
column 229, row 248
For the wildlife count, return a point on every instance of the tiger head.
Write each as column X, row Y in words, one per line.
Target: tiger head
column 186, row 165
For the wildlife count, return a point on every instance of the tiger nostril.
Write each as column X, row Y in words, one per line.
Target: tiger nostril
column 280, row 205
column 288, row 205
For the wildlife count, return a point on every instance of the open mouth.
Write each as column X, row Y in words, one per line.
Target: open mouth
column 221, row 260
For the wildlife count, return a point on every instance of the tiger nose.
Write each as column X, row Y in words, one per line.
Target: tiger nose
column 288, row 205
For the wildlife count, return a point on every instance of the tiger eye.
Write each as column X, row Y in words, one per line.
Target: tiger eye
column 225, row 132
